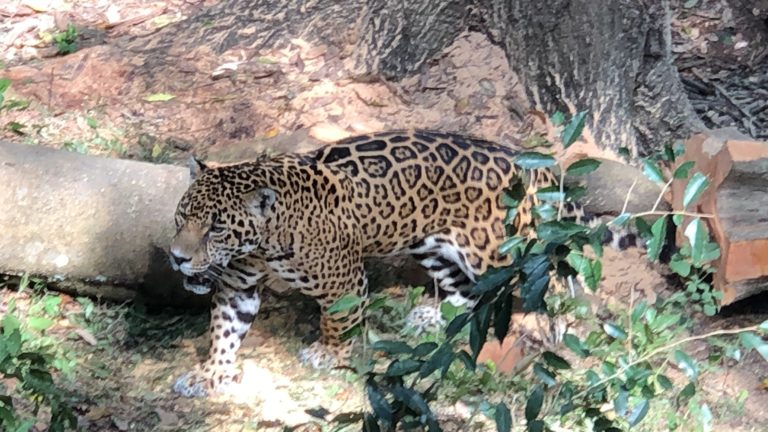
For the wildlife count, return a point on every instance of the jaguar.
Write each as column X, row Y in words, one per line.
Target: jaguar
column 306, row 221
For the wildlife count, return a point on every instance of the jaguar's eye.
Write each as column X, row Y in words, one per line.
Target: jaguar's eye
column 217, row 229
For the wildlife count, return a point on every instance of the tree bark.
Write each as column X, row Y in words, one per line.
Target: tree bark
column 610, row 58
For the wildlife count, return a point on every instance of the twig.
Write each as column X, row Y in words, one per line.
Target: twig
column 661, row 194
column 626, row 199
column 682, row 213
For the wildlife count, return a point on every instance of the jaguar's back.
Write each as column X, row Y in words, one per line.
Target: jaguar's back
column 435, row 195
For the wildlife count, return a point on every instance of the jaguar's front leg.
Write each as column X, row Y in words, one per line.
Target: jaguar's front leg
column 232, row 312
column 331, row 349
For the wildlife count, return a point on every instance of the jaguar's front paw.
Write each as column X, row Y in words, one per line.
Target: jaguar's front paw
column 318, row 356
column 199, row 383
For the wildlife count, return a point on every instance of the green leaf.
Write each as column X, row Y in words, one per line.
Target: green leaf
column 533, row 291
column 509, row 244
column 687, row 364
column 575, row 193
column 639, row 413
column 659, row 232
column 91, row 122
column 547, row 377
column 682, row 171
column 664, row 382
column 159, row 97
column 493, row 279
column 12, row 342
column 695, row 188
column 643, row 229
column 620, row 402
column 532, row 160
column 559, row 231
column 652, row 171
column 413, row 400
column 621, row 219
column 467, row 359
column 424, row 348
column 536, row 426
column 39, row 323
column 344, row 304
column 555, row 360
column 16, row 127
column 370, row 424
column 456, row 325
column 582, row 167
column 379, row 403
column 392, row 347
column 403, row 367
column 478, row 330
column 501, row 316
column 614, row 331
column 764, row 326
column 550, row 194
column 753, row 341
column 557, row 118
column 441, row 359
column 683, row 268
column 572, row 130
column 545, row 211
column 5, row 83
column 686, row 393
column 573, row 343
column 510, row 216
column 503, row 418
column 590, row 270
column 14, row 104
column 535, row 401
column 508, row 200
column 697, row 235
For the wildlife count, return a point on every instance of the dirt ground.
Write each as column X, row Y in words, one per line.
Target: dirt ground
column 229, row 107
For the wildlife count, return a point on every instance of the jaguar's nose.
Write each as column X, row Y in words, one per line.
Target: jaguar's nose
column 178, row 257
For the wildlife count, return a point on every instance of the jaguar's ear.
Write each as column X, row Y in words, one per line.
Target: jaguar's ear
column 261, row 201
column 196, row 167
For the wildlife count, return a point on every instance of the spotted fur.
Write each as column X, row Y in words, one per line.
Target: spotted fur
column 307, row 221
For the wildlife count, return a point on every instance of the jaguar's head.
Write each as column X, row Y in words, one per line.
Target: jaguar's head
column 222, row 216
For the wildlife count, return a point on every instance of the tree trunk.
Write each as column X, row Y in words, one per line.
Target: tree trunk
column 610, row 58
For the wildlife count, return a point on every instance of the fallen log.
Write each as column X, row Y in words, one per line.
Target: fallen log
column 100, row 227
column 737, row 200
column 92, row 225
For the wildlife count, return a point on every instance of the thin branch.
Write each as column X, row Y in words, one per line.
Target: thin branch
column 629, row 193
column 682, row 213
column 661, row 194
